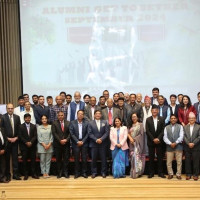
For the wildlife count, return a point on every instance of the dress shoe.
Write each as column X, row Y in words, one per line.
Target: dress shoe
column 93, row 175
column 26, row 177
column 161, row 175
column 35, row 177
column 59, row 176
column 123, row 176
column 178, row 177
column 104, row 175
column 195, row 178
column 188, row 178
column 66, row 175
column 8, row 178
column 85, row 175
column 4, row 181
column 76, row 176
column 16, row 177
column 170, row 176
column 150, row 175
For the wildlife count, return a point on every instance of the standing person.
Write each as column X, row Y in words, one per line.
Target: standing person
column 192, row 147
column 90, row 109
column 155, row 131
column 79, row 135
column 154, row 98
column 164, row 110
column 173, row 137
column 115, row 100
column 102, row 102
column 11, row 122
column 139, row 99
column 28, row 145
column 106, row 94
column 20, row 106
column 136, row 147
column 180, row 98
column 74, row 106
column 60, row 131
column 35, row 100
column 173, row 106
column 57, row 108
column 45, row 145
column 68, row 99
column 184, row 109
column 26, row 98
column 119, row 147
column 98, row 131
column 3, row 145
column 126, row 98
column 86, row 99
column 50, row 106
column 197, row 108
column 122, row 109
column 40, row 110
column 63, row 97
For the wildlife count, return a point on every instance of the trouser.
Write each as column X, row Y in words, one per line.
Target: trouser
column 62, row 158
column 158, row 149
column 170, row 156
column 2, row 166
column 80, row 152
column 29, row 153
column 192, row 156
column 45, row 162
column 102, row 153
column 12, row 150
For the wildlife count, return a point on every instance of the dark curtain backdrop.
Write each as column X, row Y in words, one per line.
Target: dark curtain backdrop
column 10, row 54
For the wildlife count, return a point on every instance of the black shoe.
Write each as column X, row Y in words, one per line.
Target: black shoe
column 8, row 178
column 76, row 176
column 123, row 176
column 85, row 175
column 93, row 175
column 150, row 175
column 161, row 175
column 4, row 181
column 59, row 176
column 104, row 175
column 35, row 177
column 26, row 177
column 66, row 175
column 16, row 177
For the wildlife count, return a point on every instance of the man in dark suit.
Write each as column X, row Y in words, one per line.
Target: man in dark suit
column 90, row 109
column 3, row 145
column 154, row 98
column 192, row 147
column 173, row 106
column 155, row 131
column 131, row 108
column 28, row 145
column 110, row 113
column 60, row 131
column 98, row 131
column 122, row 108
column 164, row 111
column 197, row 108
column 11, row 122
column 79, row 136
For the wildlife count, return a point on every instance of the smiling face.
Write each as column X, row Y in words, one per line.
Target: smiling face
column 117, row 123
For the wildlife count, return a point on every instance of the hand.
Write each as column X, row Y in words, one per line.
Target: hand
column 191, row 145
column 99, row 141
column 9, row 139
column 79, row 143
column 131, row 140
column 173, row 145
column 119, row 145
column 28, row 144
column 2, row 152
column 156, row 141
column 62, row 142
column 183, row 124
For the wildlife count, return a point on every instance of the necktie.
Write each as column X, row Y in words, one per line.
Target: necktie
column 62, row 126
column 161, row 112
column 11, row 122
column 110, row 117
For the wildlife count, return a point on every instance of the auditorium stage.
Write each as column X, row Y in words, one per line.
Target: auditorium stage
column 100, row 188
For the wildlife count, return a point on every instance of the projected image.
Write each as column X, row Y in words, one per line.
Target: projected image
column 128, row 46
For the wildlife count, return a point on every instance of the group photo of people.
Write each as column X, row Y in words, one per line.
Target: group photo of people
column 128, row 129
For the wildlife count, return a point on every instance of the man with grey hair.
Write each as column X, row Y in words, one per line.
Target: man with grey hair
column 75, row 106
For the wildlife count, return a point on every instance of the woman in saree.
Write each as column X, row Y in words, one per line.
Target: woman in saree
column 119, row 148
column 136, row 147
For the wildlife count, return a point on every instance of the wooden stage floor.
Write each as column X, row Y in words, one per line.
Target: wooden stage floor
column 99, row 188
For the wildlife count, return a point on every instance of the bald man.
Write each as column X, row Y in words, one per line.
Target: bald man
column 75, row 106
column 11, row 122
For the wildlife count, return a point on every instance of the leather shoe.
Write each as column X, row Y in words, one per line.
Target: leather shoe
column 161, row 175
column 76, row 176
column 59, row 176
column 35, row 177
column 188, row 178
column 178, row 177
column 17, row 177
column 8, row 178
column 85, row 175
column 93, row 175
column 104, row 175
column 150, row 175
column 4, row 181
column 66, row 175
column 170, row 176
column 195, row 178
column 26, row 177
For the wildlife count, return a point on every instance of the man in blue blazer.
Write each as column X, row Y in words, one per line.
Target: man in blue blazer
column 79, row 136
column 98, row 131
column 197, row 108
